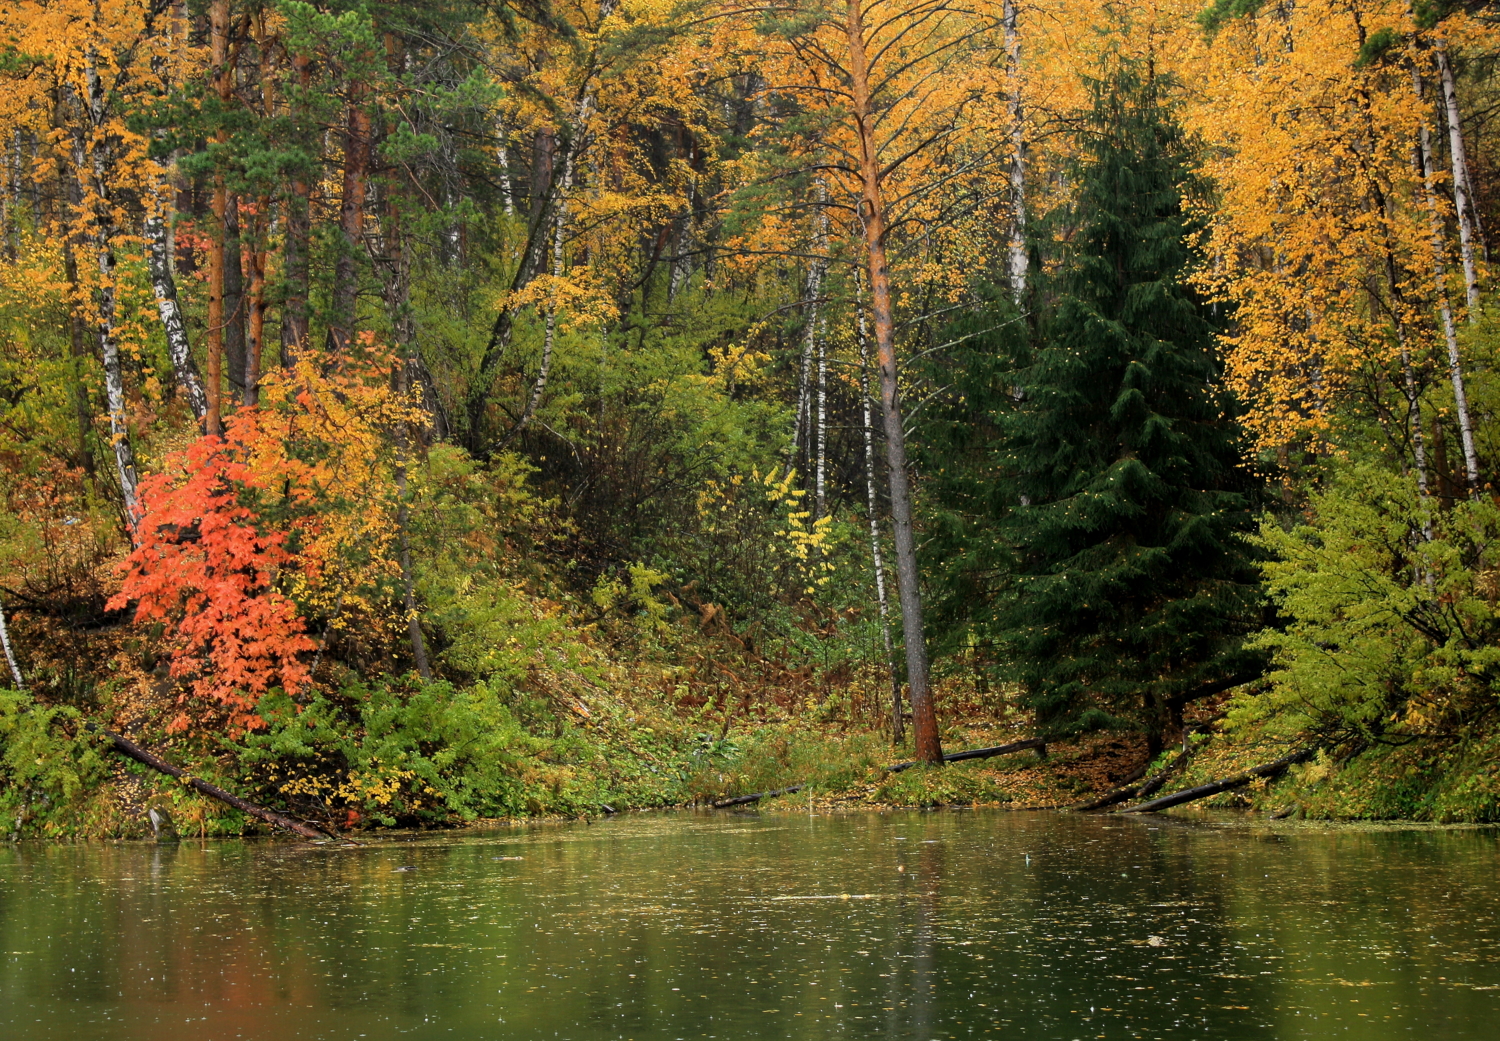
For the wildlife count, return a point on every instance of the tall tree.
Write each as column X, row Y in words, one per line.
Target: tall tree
column 1125, row 504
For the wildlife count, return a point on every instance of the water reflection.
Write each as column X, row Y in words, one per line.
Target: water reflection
column 910, row 926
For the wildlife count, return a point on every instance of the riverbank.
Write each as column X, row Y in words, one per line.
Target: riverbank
column 73, row 787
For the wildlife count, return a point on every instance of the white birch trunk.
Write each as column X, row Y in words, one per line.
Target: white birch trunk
column 1463, row 200
column 164, row 288
column 815, row 332
column 10, row 657
column 581, row 115
column 1445, row 311
column 1015, row 114
column 109, row 344
column 682, row 268
column 114, row 382
column 502, row 157
column 898, row 729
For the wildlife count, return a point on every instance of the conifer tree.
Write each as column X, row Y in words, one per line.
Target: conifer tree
column 1121, row 499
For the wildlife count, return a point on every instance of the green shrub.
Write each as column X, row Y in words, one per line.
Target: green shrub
column 428, row 753
column 46, row 776
column 1391, row 609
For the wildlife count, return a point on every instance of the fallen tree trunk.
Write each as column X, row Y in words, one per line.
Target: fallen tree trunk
column 975, row 753
column 741, row 800
column 1131, row 790
column 127, row 747
column 1203, row 791
column 951, row 757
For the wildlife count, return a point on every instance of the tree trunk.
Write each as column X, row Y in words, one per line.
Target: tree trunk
column 1016, row 257
column 1445, row 312
column 898, row 723
column 805, row 436
column 10, row 657
column 549, row 333
column 976, row 753
column 820, row 478
column 218, row 15
column 538, row 235
column 1203, row 791
column 357, row 153
column 156, row 762
column 114, row 382
column 235, row 359
column 164, row 287
column 502, row 164
column 403, row 524
column 99, row 165
column 255, row 328
column 1463, row 192
column 872, row 205
column 298, row 238
column 83, row 411
column 583, row 111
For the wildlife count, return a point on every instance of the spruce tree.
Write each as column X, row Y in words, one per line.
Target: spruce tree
column 1125, row 499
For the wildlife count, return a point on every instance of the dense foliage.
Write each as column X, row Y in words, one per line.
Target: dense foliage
column 427, row 411
column 1112, row 498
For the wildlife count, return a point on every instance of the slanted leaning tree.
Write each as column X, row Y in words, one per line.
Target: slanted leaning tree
column 1125, row 505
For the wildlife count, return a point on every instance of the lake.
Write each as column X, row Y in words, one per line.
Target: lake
column 903, row 925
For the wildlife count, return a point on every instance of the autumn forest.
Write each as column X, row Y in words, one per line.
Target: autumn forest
column 415, row 413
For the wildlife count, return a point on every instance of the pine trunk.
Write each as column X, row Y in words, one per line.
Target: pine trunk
column 908, row 577
column 218, row 14
column 357, row 154
column 298, row 238
column 235, row 304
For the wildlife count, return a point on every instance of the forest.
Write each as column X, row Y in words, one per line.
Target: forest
column 419, row 413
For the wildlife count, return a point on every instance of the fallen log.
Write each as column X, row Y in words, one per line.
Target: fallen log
column 127, row 747
column 1203, row 791
column 1130, row 790
column 975, row 753
column 952, row 757
column 741, row 800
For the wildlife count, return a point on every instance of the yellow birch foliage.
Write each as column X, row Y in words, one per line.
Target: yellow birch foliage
column 1320, row 233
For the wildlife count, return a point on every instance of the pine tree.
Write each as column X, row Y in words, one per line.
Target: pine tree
column 1129, row 583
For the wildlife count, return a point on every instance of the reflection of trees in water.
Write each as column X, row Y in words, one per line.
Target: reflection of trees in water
column 912, row 992
column 595, row 936
column 1126, row 925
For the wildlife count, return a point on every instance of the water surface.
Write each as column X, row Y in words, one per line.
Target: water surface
column 893, row 926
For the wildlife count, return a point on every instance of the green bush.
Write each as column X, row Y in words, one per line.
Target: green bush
column 428, row 753
column 46, row 775
column 1392, row 629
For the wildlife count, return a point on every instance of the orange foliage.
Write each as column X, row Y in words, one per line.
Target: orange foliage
column 206, row 566
column 243, row 536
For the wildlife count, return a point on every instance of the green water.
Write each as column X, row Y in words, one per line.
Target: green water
column 895, row 926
